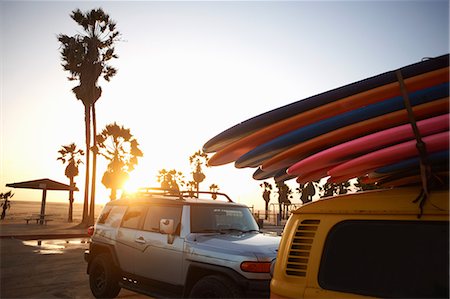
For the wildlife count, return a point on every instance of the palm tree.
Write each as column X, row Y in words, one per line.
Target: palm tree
column 307, row 191
column 117, row 145
column 170, row 179
column 284, row 193
column 6, row 204
column 71, row 155
column 331, row 189
column 85, row 57
column 361, row 186
column 214, row 188
column 191, row 187
column 197, row 160
column 267, row 187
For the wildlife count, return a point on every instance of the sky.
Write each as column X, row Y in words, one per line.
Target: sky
column 189, row 70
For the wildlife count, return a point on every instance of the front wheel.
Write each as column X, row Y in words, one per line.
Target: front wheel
column 215, row 286
column 103, row 279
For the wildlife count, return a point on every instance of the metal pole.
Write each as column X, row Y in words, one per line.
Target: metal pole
column 44, row 198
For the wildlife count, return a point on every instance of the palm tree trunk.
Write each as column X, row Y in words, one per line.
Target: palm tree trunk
column 87, row 116
column 70, row 216
column 267, row 209
column 113, row 194
column 94, row 168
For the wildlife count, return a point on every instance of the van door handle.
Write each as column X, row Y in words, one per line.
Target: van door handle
column 140, row 240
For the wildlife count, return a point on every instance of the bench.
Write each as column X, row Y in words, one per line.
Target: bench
column 37, row 219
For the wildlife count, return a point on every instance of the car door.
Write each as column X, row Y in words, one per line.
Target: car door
column 160, row 255
column 127, row 246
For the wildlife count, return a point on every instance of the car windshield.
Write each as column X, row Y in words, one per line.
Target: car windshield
column 221, row 219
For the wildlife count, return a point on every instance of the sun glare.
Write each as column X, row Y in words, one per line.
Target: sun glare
column 138, row 180
column 131, row 186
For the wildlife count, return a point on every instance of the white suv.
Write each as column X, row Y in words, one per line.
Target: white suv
column 171, row 244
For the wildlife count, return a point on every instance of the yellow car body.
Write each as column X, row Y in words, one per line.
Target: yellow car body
column 365, row 244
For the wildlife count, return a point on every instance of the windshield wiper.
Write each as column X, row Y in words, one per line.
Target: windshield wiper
column 238, row 230
column 252, row 230
column 208, row 230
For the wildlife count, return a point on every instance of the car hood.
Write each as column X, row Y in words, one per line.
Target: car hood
column 262, row 246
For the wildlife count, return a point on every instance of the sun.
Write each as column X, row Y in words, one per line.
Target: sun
column 138, row 180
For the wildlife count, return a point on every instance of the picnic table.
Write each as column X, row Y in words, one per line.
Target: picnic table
column 38, row 218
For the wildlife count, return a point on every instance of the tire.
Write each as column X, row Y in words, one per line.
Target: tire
column 103, row 278
column 215, row 286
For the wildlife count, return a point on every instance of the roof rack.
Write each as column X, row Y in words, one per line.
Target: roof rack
column 195, row 194
column 181, row 195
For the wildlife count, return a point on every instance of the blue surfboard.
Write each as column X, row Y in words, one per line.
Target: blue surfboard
column 433, row 158
column 257, row 156
column 256, row 123
column 437, row 168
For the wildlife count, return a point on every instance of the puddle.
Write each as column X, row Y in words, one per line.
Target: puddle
column 56, row 246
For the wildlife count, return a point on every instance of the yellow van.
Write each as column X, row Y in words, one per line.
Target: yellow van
column 367, row 244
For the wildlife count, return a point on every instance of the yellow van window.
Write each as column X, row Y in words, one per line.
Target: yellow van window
column 407, row 259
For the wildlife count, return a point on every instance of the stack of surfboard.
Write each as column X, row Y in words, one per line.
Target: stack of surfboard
column 359, row 130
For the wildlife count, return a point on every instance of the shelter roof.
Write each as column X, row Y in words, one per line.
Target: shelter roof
column 42, row 184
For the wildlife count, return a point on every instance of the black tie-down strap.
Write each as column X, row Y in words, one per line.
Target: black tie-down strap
column 425, row 169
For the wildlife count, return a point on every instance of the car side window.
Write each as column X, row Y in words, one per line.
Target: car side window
column 111, row 216
column 104, row 215
column 156, row 213
column 407, row 259
column 133, row 217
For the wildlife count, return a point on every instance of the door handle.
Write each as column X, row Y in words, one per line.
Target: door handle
column 140, row 240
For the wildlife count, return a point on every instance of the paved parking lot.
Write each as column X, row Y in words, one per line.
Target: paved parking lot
column 46, row 269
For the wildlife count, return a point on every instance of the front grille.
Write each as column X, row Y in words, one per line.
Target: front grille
column 297, row 263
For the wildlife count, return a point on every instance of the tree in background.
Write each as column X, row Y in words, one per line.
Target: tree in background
column 191, row 187
column 214, row 188
column 331, row 189
column 6, row 204
column 197, row 161
column 284, row 192
column 363, row 187
column 117, row 145
column 267, row 189
column 86, row 56
column 307, row 191
column 170, row 179
column 71, row 155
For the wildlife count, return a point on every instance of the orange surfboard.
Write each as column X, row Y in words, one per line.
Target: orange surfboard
column 240, row 147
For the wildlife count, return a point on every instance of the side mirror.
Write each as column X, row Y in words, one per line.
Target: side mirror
column 166, row 226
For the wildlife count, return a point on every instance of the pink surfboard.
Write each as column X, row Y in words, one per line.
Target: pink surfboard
column 364, row 164
column 367, row 144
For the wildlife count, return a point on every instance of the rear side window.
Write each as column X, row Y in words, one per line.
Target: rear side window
column 112, row 215
column 133, row 217
column 403, row 259
column 156, row 213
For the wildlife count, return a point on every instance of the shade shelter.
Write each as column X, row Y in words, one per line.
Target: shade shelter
column 44, row 185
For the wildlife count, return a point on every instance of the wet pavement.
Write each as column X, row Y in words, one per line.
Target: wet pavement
column 53, row 268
